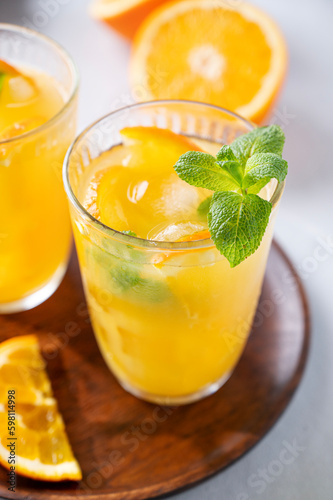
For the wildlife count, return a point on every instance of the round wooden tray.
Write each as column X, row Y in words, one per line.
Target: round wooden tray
column 129, row 449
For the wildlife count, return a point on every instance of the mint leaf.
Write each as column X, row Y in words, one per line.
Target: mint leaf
column 237, row 224
column 257, row 187
column 2, row 80
column 228, row 161
column 237, row 217
column 130, row 233
column 203, row 208
column 123, row 278
column 247, row 164
column 203, row 170
column 263, row 167
column 127, row 279
column 268, row 139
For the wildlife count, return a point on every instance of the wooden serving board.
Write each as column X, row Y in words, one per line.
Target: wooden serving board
column 132, row 450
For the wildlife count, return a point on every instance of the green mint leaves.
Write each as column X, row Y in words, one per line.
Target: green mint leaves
column 203, row 170
column 237, row 216
column 127, row 279
column 130, row 233
column 237, row 224
column 203, row 208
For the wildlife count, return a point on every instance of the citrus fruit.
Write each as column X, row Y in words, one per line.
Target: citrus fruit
column 139, row 187
column 21, row 127
column 29, row 416
column 125, row 16
column 8, row 69
column 209, row 51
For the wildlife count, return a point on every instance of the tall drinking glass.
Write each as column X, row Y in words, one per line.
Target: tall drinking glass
column 174, row 333
column 38, row 102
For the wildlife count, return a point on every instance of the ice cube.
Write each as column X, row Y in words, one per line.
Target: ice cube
column 21, row 89
column 174, row 199
column 176, row 231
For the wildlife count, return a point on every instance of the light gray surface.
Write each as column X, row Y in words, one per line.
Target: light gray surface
column 305, row 111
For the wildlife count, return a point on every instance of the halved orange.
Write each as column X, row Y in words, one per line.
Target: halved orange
column 29, row 418
column 124, row 16
column 210, row 51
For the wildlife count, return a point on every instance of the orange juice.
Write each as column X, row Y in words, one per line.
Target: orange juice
column 170, row 315
column 35, row 131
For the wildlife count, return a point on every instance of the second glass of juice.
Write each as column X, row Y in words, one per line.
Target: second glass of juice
column 170, row 316
column 38, row 102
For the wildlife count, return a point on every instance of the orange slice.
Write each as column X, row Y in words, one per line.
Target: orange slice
column 8, row 69
column 125, row 16
column 21, row 127
column 200, row 235
column 162, row 141
column 29, row 416
column 159, row 259
column 16, row 130
column 209, row 51
column 130, row 177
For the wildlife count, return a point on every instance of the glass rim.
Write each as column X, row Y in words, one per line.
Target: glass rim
column 73, row 69
column 135, row 241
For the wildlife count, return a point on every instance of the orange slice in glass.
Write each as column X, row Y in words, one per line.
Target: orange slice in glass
column 8, row 69
column 136, row 176
column 21, row 128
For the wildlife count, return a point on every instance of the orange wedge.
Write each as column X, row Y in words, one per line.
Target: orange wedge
column 213, row 52
column 8, row 69
column 29, row 416
column 125, row 16
column 163, row 140
column 159, row 259
column 142, row 147
column 20, row 128
column 9, row 73
column 200, row 235
column 16, row 130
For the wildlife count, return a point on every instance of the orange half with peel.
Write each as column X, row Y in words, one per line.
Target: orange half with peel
column 213, row 52
column 125, row 16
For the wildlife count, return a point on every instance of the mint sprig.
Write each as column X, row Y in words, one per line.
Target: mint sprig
column 203, row 170
column 237, row 216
